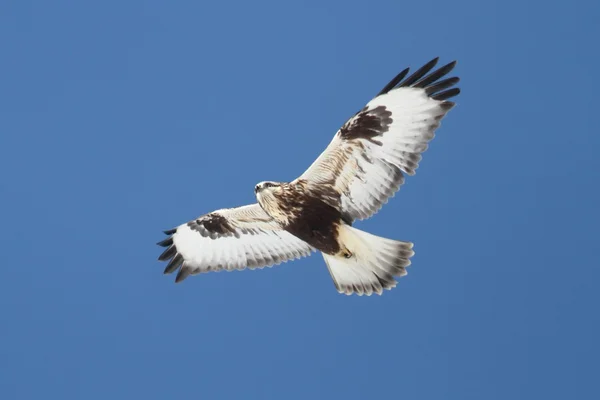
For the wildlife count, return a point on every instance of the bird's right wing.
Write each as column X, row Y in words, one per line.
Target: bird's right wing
column 229, row 239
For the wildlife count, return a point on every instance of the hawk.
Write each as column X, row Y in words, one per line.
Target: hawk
column 362, row 167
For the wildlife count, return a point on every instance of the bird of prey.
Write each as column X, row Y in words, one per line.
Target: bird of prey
column 361, row 168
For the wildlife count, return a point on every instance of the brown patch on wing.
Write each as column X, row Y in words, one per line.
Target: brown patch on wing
column 367, row 124
column 212, row 225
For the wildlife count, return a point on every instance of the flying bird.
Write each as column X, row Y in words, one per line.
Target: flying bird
column 361, row 168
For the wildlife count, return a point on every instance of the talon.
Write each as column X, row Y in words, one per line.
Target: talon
column 347, row 254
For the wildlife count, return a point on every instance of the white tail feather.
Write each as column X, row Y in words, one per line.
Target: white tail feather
column 373, row 264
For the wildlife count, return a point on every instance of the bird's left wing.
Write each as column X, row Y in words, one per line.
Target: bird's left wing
column 366, row 161
column 229, row 239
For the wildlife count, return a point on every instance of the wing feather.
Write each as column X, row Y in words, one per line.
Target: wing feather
column 368, row 157
column 229, row 239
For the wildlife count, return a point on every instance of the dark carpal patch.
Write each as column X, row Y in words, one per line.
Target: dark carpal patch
column 368, row 124
column 212, row 225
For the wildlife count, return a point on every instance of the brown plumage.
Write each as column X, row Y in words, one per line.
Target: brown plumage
column 363, row 166
column 304, row 213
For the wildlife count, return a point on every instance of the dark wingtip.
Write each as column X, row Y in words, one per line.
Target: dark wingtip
column 446, row 94
column 168, row 253
column 182, row 274
column 433, row 62
column 175, row 259
column 423, row 78
column 174, row 264
column 433, row 77
column 441, row 85
column 420, row 73
column 397, row 79
column 447, row 105
column 166, row 243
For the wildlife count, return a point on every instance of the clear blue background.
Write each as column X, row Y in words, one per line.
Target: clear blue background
column 122, row 118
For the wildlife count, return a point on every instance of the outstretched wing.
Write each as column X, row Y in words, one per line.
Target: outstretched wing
column 229, row 239
column 366, row 161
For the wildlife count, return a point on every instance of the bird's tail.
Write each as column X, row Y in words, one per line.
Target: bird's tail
column 372, row 262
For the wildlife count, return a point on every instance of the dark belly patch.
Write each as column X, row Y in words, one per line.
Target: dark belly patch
column 317, row 224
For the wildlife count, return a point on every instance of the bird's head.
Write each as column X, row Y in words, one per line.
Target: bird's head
column 266, row 193
column 267, row 186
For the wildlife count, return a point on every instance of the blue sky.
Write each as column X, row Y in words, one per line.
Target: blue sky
column 122, row 118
